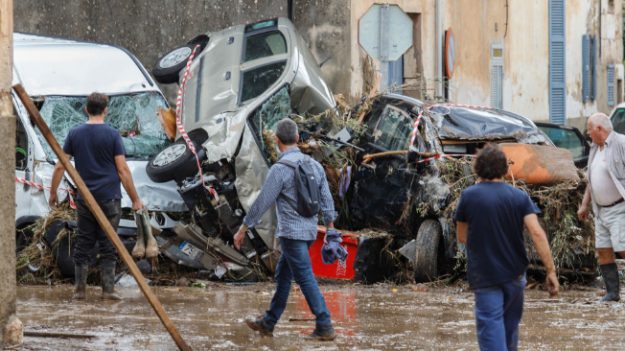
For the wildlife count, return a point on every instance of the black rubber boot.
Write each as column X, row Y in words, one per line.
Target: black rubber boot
column 107, row 275
column 609, row 272
column 80, row 277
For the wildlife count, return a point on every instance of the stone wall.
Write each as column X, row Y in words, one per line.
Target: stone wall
column 150, row 28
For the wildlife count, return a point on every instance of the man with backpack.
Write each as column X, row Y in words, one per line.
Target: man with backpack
column 298, row 186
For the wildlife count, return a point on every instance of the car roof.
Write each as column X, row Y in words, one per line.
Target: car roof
column 478, row 122
column 64, row 67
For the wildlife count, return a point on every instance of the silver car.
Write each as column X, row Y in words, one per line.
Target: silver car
column 243, row 80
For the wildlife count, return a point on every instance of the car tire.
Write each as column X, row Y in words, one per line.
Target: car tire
column 63, row 250
column 429, row 240
column 168, row 67
column 177, row 162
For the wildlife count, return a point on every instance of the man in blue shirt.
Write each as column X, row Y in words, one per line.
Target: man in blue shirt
column 296, row 234
column 100, row 160
column 489, row 220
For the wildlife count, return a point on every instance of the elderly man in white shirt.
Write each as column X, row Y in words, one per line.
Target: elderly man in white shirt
column 606, row 191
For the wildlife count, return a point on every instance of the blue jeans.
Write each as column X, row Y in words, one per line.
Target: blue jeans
column 295, row 263
column 498, row 312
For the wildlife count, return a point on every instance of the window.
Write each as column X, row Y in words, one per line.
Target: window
column 257, row 80
column 618, row 120
column 265, row 118
column 21, row 146
column 566, row 139
column 264, row 45
column 393, row 129
column 133, row 115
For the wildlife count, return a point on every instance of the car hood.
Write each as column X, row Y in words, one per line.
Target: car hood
column 483, row 123
column 161, row 197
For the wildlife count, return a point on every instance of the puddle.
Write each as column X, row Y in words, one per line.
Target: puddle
column 381, row 317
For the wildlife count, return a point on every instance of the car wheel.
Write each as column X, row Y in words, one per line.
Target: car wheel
column 62, row 250
column 23, row 237
column 429, row 238
column 175, row 162
column 168, row 67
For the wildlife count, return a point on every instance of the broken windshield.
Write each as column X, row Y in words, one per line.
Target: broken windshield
column 134, row 116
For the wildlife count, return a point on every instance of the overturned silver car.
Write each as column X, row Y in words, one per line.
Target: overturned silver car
column 242, row 82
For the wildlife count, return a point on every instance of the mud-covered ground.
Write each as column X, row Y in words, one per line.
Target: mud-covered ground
column 379, row 317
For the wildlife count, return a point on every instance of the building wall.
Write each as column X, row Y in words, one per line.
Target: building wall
column 420, row 57
column 325, row 24
column 151, row 28
column 523, row 29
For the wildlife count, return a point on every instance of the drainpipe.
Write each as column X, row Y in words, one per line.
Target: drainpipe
column 439, row 46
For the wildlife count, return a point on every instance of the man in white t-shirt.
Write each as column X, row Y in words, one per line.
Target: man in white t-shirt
column 606, row 191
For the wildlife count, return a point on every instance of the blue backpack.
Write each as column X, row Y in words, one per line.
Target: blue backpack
column 307, row 187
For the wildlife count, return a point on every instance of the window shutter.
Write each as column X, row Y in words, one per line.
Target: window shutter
column 610, row 78
column 586, row 74
column 557, row 62
column 593, row 67
column 496, row 82
column 496, row 75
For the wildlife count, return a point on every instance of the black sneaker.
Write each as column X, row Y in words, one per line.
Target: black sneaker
column 259, row 325
column 323, row 335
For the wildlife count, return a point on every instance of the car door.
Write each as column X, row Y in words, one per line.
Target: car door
column 569, row 138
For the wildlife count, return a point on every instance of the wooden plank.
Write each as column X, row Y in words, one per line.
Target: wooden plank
column 100, row 217
column 52, row 334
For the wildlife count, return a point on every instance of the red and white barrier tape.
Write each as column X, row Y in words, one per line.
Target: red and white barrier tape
column 448, row 105
column 41, row 187
column 415, row 129
column 181, row 129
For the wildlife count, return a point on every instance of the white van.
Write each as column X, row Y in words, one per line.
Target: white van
column 59, row 74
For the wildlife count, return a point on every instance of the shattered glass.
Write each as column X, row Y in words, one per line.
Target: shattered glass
column 277, row 107
column 257, row 80
column 135, row 116
column 393, row 129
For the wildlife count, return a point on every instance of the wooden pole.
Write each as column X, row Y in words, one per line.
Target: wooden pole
column 100, row 217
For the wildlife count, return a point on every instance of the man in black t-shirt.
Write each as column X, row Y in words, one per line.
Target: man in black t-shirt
column 100, row 160
column 489, row 220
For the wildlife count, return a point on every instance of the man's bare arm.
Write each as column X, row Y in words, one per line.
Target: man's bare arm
column 539, row 238
column 584, row 207
column 462, row 232
column 126, row 178
column 57, row 175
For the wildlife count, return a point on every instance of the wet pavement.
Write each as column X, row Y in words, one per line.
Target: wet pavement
column 379, row 317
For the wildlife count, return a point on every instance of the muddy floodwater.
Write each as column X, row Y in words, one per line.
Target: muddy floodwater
column 379, row 317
